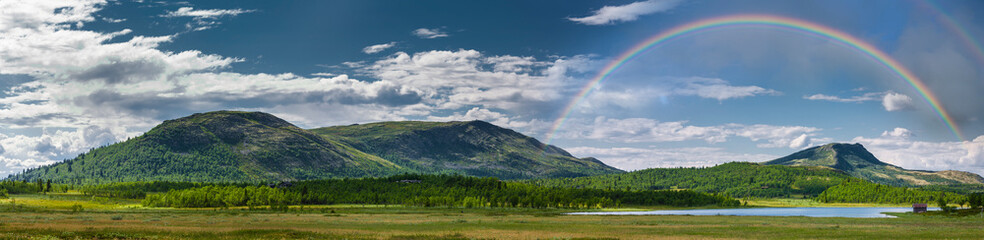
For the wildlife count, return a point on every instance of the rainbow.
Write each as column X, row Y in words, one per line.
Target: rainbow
column 768, row 21
column 956, row 27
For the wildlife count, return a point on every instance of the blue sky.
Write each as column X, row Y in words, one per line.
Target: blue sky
column 80, row 74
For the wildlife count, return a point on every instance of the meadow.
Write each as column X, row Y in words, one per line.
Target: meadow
column 34, row 216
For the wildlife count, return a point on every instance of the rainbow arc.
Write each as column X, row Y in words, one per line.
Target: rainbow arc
column 767, row 21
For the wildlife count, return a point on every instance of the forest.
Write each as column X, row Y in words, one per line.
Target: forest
column 860, row 191
column 425, row 191
column 736, row 179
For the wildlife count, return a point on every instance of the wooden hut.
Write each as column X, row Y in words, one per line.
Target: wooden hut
column 918, row 207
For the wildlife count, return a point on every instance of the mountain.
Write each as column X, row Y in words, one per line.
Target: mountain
column 737, row 179
column 855, row 160
column 474, row 148
column 231, row 146
column 217, row 147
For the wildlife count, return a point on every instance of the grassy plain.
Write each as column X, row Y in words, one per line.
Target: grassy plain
column 46, row 217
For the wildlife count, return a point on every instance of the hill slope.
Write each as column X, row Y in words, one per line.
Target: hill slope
column 229, row 146
column 855, row 160
column 474, row 148
column 737, row 179
column 215, row 147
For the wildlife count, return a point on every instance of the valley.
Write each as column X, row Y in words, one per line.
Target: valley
column 124, row 220
column 230, row 175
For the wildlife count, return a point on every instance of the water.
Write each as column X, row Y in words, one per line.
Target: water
column 850, row 212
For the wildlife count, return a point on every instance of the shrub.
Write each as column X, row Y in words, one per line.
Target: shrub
column 77, row 208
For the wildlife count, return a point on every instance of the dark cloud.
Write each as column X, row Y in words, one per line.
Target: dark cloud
column 36, row 120
column 119, row 72
column 939, row 59
column 158, row 107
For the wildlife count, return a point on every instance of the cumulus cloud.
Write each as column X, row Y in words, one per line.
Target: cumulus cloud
column 630, row 159
column 463, row 78
column 896, row 147
column 429, row 33
column 512, row 63
column 897, row 133
column 101, row 87
column 36, row 14
column 49, row 147
column 642, row 130
column 896, row 102
column 378, row 48
column 626, row 13
column 799, row 142
column 476, row 113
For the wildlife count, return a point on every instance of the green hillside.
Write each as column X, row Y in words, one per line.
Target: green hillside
column 473, row 148
column 737, row 179
column 228, row 146
column 855, row 160
column 218, row 147
column 859, row 191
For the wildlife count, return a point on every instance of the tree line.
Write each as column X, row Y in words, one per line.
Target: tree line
column 860, row 191
column 426, row 191
column 736, row 179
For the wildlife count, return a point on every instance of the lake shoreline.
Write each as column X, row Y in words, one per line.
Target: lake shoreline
column 848, row 212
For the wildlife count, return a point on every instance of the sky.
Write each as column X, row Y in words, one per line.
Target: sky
column 75, row 75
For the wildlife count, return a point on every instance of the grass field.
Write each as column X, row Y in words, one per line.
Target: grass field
column 43, row 217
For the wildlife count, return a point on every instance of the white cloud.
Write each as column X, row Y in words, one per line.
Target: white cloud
column 892, row 101
column 897, row 148
column 511, row 63
column 872, row 96
column 642, row 130
column 642, row 158
column 462, row 78
column 205, row 13
column 429, row 33
column 24, row 151
column 799, row 142
column 476, row 113
column 113, row 20
column 204, row 19
column 36, row 14
column 661, row 89
column 324, row 74
column 378, row 48
column 626, row 13
column 898, row 133
column 896, row 102
column 719, row 89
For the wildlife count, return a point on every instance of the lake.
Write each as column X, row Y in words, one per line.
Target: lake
column 850, row 212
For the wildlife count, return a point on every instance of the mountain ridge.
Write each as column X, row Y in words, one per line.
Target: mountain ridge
column 857, row 161
column 476, row 147
column 235, row 146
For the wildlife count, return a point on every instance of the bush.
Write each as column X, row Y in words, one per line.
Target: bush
column 77, row 208
column 117, row 217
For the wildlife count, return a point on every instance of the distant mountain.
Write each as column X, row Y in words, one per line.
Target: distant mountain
column 855, row 160
column 473, row 148
column 230, row 146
